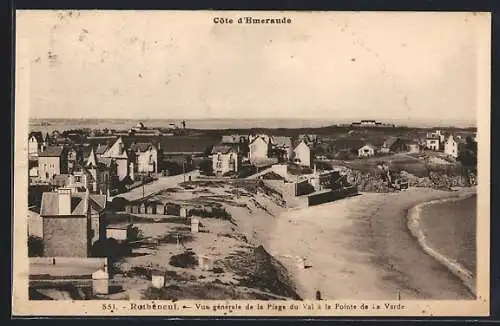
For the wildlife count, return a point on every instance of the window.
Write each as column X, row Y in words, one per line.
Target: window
column 77, row 178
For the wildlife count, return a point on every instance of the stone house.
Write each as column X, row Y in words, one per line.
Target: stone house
column 454, row 146
column 302, row 154
column 72, row 222
column 225, row 158
column 51, row 162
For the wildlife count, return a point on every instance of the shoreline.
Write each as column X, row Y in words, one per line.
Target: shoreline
column 414, row 215
column 360, row 248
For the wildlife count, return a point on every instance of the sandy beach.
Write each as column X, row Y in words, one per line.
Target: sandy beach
column 357, row 248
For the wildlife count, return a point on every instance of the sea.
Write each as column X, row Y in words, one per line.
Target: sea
column 49, row 125
column 450, row 228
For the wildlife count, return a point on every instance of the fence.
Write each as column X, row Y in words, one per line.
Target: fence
column 325, row 197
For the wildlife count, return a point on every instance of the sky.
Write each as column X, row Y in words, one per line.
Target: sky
column 180, row 65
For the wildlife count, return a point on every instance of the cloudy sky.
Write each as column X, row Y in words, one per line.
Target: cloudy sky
column 334, row 66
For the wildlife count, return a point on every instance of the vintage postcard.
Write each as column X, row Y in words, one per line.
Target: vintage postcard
column 205, row 163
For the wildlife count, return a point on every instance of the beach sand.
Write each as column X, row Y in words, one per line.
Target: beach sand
column 357, row 248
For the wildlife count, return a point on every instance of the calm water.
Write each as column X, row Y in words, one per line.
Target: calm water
column 451, row 230
column 125, row 124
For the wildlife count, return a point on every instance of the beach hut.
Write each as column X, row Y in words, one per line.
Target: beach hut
column 142, row 208
column 151, row 209
column 183, row 212
column 135, row 209
column 160, row 209
column 100, row 282
column 157, row 279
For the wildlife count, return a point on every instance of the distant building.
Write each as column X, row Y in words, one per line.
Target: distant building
column 234, row 139
column 366, row 150
column 396, row 145
column 282, row 147
column 36, row 144
column 124, row 163
column 259, row 148
column 72, row 222
column 51, row 162
column 308, row 139
column 302, row 154
column 371, row 124
column 433, row 143
column 454, row 146
column 146, row 157
column 225, row 158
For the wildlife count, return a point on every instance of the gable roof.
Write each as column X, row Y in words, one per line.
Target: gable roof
column 281, row 141
column 140, row 147
column 224, row 148
column 52, row 151
column 257, row 138
column 50, row 203
column 38, row 136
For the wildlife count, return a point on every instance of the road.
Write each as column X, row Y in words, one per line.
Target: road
column 156, row 186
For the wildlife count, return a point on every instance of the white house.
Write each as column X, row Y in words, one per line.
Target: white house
column 302, row 154
column 259, row 149
column 146, row 157
column 453, row 146
column 36, row 144
column 432, row 143
column 225, row 158
column 119, row 153
column 366, row 150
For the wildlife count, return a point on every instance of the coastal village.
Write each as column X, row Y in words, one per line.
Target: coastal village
column 175, row 213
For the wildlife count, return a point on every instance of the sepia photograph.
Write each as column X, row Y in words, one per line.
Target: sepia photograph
column 251, row 163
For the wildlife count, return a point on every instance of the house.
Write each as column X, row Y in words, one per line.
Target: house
column 103, row 171
column 36, row 144
column 51, row 162
column 259, row 148
column 124, row 161
column 309, row 139
column 72, row 222
column 387, row 146
column 146, row 157
column 433, row 143
column 302, row 154
column 397, row 145
column 74, row 158
column 366, row 150
column 454, row 146
column 225, row 158
column 282, row 147
column 234, row 139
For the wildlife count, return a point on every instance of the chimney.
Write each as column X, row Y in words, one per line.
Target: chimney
column 64, row 201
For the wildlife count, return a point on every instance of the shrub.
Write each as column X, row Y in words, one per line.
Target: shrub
column 185, row 260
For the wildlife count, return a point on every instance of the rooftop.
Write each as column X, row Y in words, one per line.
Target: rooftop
column 52, row 151
column 50, row 203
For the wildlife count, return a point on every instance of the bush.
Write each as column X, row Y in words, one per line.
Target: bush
column 185, row 260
